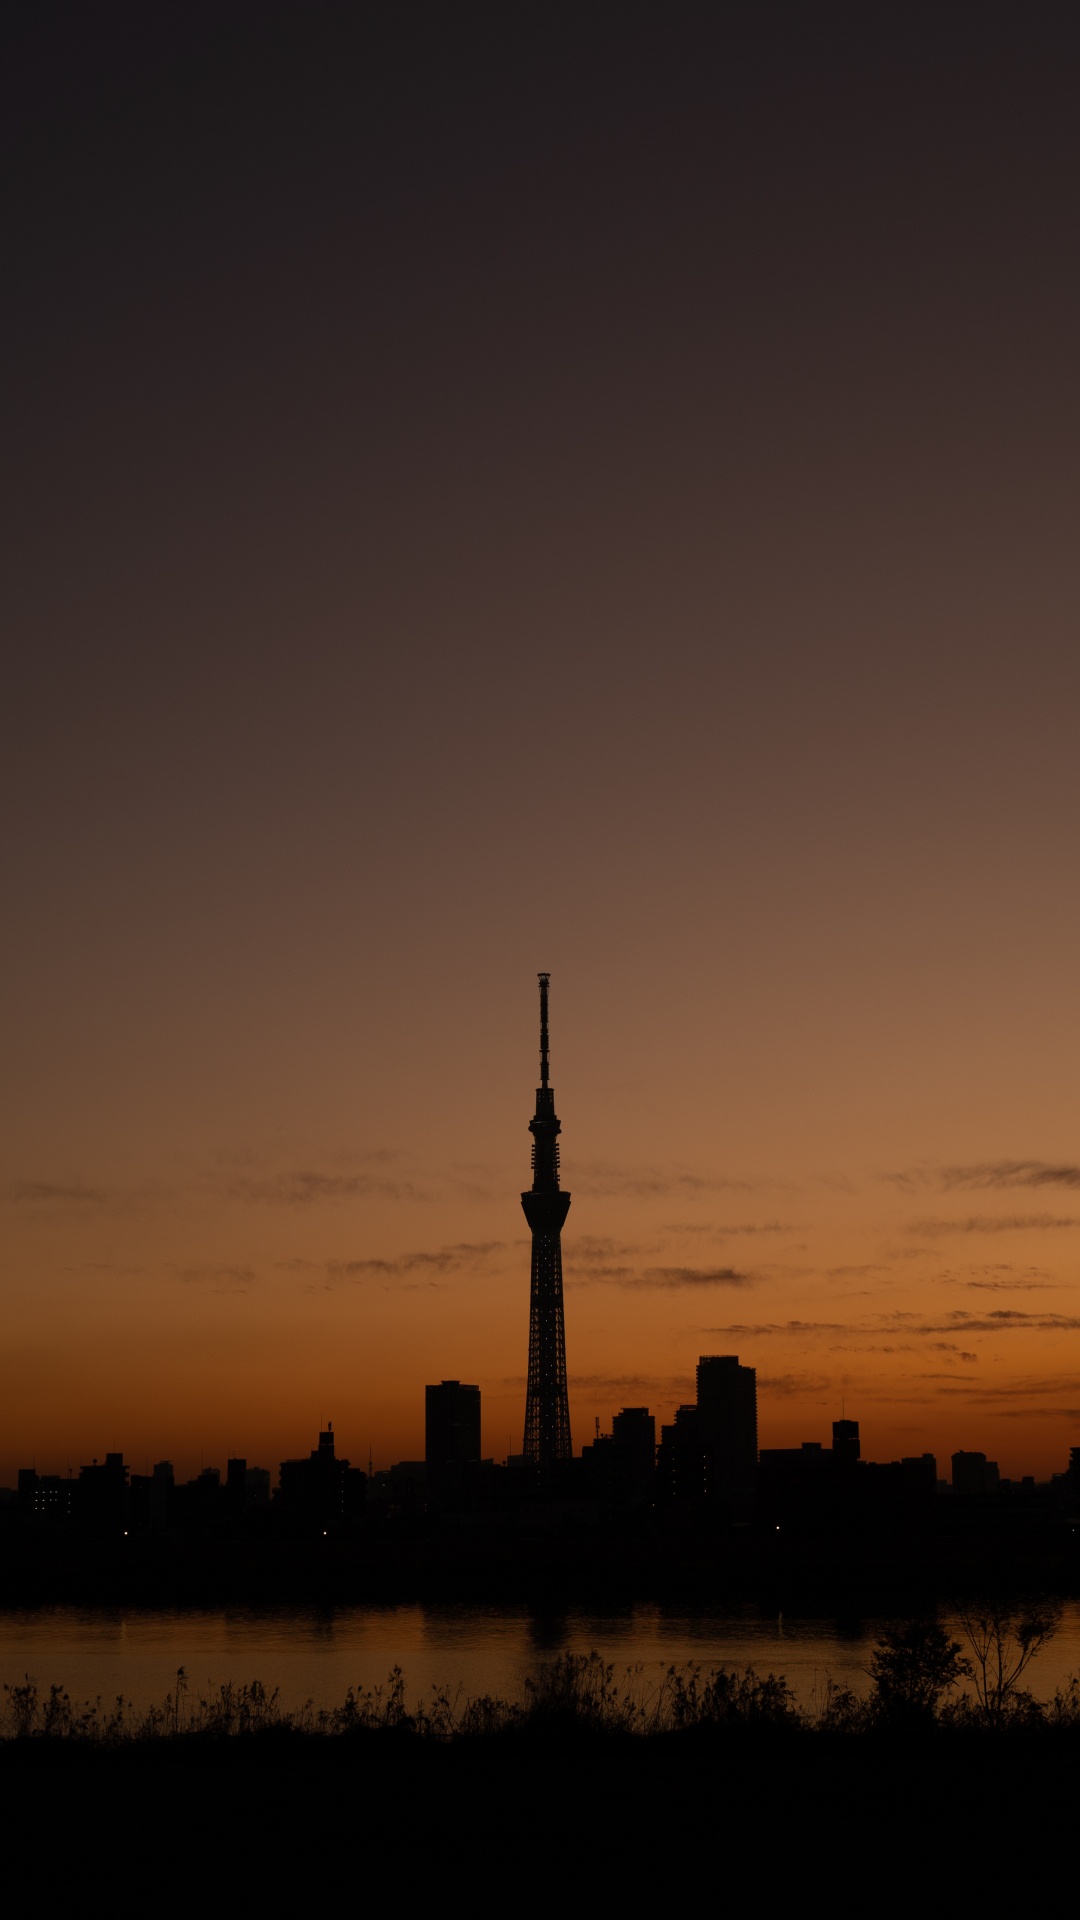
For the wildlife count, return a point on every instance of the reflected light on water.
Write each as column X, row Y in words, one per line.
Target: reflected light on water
column 470, row 1651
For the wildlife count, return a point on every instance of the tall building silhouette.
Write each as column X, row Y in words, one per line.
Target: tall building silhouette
column 847, row 1451
column 451, row 1444
column 451, row 1424
column 547, row 1408
column 727, row 1422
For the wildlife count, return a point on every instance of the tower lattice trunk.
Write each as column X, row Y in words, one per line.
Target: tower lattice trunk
column 547, row 1406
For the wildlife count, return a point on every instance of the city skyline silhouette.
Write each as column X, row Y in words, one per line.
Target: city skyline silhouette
column 547, row 1433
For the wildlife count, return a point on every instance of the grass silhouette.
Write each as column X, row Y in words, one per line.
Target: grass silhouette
column 573, row 1695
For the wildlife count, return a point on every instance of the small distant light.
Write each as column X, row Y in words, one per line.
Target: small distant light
column 777, row 1529
column 324, row 1533
column 125, row 1533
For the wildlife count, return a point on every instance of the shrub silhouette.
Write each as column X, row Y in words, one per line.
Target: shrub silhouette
column 912, row 1668
column 1004, row 1639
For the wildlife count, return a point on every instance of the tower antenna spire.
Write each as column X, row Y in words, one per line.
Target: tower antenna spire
column 543, row 979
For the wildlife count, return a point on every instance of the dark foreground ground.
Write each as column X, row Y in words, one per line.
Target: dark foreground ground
column 560, row 1824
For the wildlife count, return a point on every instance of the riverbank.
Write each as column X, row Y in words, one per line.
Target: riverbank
column 876, row 1573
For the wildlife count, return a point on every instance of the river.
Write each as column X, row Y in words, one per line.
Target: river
column 469, row 1651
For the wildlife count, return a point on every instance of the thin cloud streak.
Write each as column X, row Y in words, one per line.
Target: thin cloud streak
column 695, row 1277
column 1006, row 1174
column 994, row 1223
column 307, row 1188
column 451, row 1259
column 795, row 1385
column 665, row 1277
column 1001, row 1320
column 661, row 1386
column 1012, row 1286
column 50, row 1193
column 218, row 1279
column 598, row 1179
column 1002, row 1175
column 764, row 1329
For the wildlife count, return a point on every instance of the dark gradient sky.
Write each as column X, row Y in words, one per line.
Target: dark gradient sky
column 492, row 488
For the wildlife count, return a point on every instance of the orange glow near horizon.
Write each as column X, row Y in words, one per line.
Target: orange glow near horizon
column 930, row 1299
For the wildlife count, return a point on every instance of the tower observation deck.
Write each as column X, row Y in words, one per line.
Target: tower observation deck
column 547, row 1408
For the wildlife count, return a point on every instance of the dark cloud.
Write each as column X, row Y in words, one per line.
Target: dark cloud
column 1002, row 1175
column 1012, row 1173
column 668, row 1277
column 1011, row 1286
column 763, row 1329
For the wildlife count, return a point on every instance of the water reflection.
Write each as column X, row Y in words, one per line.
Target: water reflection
column 317, row 1654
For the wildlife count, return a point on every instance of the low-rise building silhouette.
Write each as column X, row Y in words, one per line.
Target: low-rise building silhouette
column 321, row 1493
column 973, row 1475
column 103, row 1495
column 633, row 1435
column 47, row 1497
column 682, row 1467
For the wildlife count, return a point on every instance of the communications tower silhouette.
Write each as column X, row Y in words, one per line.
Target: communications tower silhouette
column 547, row 1408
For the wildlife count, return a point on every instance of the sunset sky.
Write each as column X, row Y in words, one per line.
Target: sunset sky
column 494, row 488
